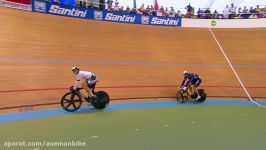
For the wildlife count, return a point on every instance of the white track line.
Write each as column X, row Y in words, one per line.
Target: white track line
column 234, row 70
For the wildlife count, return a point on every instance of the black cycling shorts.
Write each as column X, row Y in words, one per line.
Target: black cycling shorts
column 196, row 82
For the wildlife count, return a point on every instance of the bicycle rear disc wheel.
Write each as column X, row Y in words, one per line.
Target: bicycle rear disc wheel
column 101, row 101
column 203, row 95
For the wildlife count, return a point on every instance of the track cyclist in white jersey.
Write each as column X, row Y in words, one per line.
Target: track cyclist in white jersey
column 90, row 80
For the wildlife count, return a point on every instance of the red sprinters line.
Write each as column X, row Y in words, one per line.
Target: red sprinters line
column 30, row 90
column 122, row 86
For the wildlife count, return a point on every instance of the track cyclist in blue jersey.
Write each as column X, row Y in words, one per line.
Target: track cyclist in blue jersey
column 191, row 80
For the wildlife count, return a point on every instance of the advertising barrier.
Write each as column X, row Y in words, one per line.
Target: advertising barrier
column 224, row 23
column 69, row 11
column 23, row 5
column 27, row 2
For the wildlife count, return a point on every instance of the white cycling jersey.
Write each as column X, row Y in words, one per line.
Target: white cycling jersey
column 86, row 75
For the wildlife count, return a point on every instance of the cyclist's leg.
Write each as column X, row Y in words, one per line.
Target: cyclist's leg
column 89, row 88
column 195, row 88
column 196, row 85
column 92, row 87
column 192, row 86
column 190, row 89
column 85, row 86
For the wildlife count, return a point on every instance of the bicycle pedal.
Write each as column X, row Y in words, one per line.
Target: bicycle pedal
column 87, row 99
column 93, row 98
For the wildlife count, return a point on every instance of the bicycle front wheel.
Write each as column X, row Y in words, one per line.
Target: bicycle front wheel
column 71, row 102
column 181, row 96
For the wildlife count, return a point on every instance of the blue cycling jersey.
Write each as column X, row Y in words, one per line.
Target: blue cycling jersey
column 190, row 77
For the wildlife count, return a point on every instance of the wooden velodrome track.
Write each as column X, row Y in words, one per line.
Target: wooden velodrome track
column 133, row 61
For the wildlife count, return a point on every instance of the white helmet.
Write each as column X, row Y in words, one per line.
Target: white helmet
column 185, row 72
column 75, row 68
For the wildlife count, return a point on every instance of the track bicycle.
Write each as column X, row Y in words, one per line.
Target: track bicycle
column 72, row 100
column 183, row 96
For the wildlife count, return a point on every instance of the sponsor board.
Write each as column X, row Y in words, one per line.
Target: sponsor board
column 40, row 6
column 145, row 19
column 120, row 17
column 165, row 21
column 51, row 8
column 74, row 12
column 224, row 23
column 98, row 15
column 9, row 4
column 62, row 10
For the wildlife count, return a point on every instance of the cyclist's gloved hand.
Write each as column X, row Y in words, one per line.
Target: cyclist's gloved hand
column 184, row 88
column 74, row 87
column 71, row 88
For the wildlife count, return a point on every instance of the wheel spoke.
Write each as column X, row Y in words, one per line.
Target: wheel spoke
column 75, row 100
column 74, row 105
column 72, row 96
column 67, row 100
column 69, row 104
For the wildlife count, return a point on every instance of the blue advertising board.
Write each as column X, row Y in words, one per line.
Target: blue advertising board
column 62, row 10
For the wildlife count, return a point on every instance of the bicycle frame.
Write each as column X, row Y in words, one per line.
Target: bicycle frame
column 184, row 95
column 189, row 94
column 77, row 91
column 189, row 91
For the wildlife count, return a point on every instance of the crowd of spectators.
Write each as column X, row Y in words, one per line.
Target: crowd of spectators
column 229, row 12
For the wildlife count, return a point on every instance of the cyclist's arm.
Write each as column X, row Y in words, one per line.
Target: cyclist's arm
column 76, row 83
column 188, row 83
column 183, row 82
